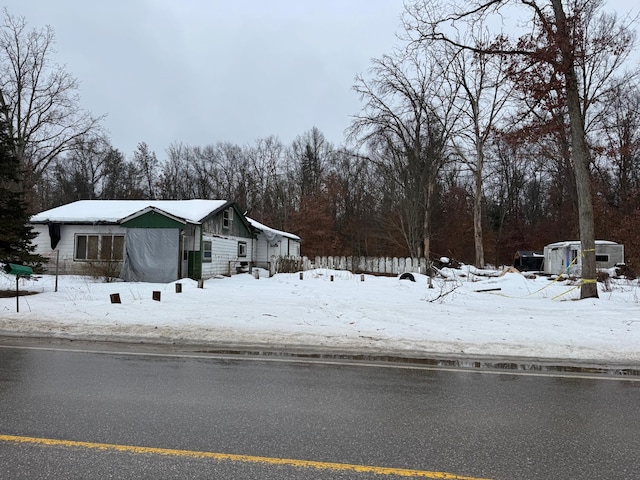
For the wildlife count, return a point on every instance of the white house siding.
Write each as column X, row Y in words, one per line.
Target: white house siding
column 224, row 258
column 294, row 248
column 66, row 246
column 285, row 247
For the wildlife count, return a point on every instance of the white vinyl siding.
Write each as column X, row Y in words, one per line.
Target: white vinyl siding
column 66, row 245
column 224, row 255
column 265, row 251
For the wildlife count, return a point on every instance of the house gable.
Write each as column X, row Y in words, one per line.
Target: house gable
column 227, row 221
column 153, row 218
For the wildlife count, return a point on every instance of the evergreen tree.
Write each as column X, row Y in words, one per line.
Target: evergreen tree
column 15, row 234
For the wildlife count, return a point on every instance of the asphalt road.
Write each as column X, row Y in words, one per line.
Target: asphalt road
column 80, row 414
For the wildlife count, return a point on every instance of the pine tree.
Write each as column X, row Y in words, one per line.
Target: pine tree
column 15, row 234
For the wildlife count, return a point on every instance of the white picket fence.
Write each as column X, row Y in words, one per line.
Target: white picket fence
column 354, row 264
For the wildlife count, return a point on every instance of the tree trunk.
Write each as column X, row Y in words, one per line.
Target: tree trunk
column 580, row 156
column 426, row 224
column 477, row 205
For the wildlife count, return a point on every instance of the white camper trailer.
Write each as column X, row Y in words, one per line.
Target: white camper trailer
column 566, row 257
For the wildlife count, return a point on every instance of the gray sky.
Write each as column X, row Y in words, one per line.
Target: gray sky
column 203, row 71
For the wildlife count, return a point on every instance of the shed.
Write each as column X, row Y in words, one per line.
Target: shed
column 528, row 260
column 566, row 257
column 144, row 240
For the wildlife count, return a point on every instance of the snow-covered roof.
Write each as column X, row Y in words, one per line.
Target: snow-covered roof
column 113, row 211
column 271, row 231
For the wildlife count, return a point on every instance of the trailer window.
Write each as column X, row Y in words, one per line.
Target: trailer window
column 602, row 258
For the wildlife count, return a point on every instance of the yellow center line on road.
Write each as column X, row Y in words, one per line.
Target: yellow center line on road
column 400, row 472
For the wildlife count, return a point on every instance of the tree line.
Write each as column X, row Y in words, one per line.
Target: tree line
column 470, row 144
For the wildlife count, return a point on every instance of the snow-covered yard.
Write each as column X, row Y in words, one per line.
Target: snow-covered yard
column 466, row 313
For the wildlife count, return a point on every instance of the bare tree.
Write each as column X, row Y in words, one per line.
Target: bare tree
column 311, row 154
column 266, row 171
column 310, row 159
column 147, row 164
column 484, row 94
column 174, row 173
column 80, row 173
column 620, row 143
column 405, row 123
column 39, row 99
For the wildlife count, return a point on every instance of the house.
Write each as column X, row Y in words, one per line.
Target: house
column 566, row 257
column 271, row 242
column 144, row 240
column 526, row 260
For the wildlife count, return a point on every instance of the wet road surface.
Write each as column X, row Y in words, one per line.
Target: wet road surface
column 65, row 413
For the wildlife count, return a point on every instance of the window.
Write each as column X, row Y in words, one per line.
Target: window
column 602, row 258
column 242, row 249
column 99, row 247
column 206, row 251
column 227, row 218
column 107, row 248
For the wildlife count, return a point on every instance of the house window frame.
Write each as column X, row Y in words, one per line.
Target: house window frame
column 227, row 218
column 242, row 249
column 207, row 251
column 94, row 247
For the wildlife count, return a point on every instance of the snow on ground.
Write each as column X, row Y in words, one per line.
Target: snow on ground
column 466, row 313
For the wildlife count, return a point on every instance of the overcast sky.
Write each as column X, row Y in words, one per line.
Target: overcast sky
column 204, row 71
